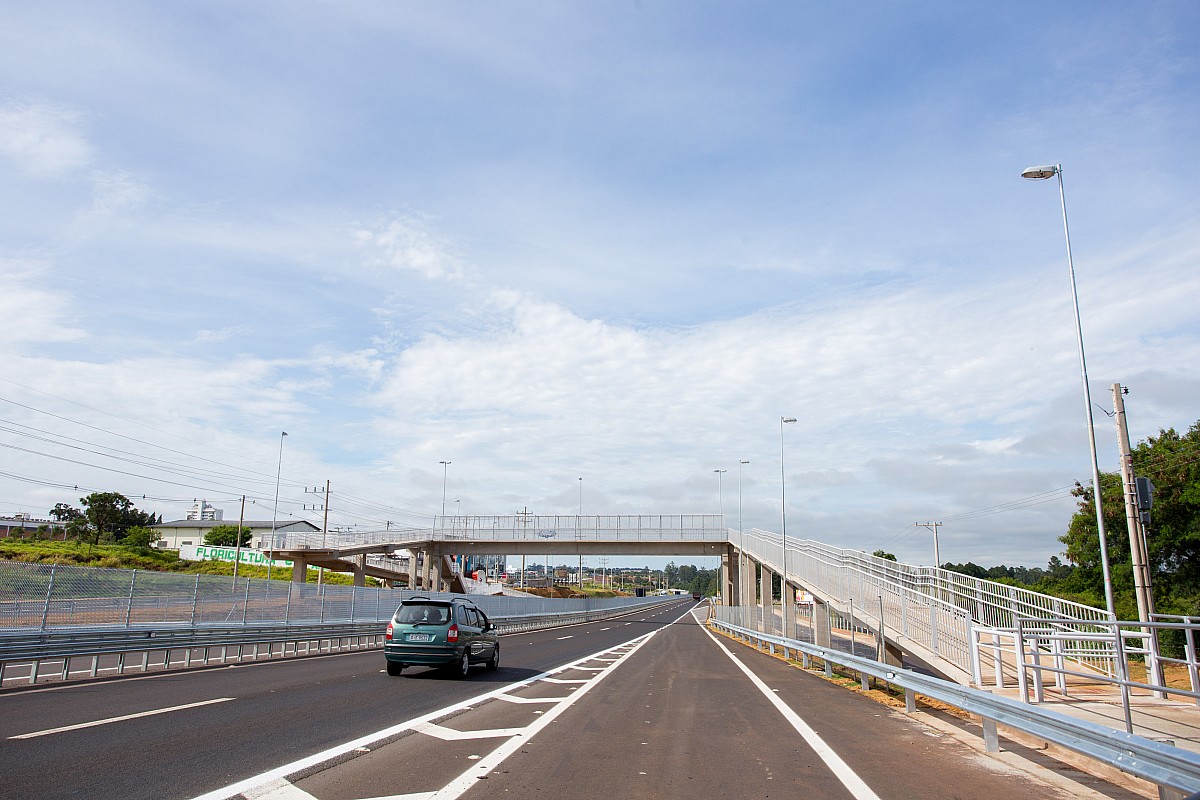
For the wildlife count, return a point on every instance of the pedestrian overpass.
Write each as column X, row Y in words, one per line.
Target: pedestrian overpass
column 939, row 617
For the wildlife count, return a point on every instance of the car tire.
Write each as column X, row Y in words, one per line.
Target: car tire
column 463, row 666
column 493, row 663
column 394, row 668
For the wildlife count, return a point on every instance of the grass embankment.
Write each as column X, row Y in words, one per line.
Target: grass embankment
column 119, row 557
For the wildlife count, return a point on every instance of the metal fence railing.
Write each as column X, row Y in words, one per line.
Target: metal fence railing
column 51, row 597
column 934, row 607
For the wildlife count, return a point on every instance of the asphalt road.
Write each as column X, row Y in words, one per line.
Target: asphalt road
column 253, row 718
column 633, row 708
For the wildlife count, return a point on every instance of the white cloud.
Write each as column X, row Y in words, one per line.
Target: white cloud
column 406, row 244
column 43, row 139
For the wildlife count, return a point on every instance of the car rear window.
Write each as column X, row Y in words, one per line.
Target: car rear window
column 428, row 613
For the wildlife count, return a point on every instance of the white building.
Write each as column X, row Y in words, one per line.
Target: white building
column 191, row 531
column 203, row 510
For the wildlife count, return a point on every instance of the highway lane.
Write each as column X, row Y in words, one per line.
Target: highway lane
column 673, row 716
column 268, row 713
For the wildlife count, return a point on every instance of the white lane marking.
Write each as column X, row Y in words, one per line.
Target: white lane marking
column 280, row 790
column 512, row 698
column 560, row 638
column 464, row 782
column 605, row 629
column 570, row 680
column 35, row 734
column 451, row 735
column 257, row 781
column 841, row 770
column 591, row 669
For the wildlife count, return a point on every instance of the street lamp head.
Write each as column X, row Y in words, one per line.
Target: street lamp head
column 1040, row 173
column 743, row 461
column 720, row 470
column 787, row 419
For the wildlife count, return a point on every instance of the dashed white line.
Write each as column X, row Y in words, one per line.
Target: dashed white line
column 49, row 731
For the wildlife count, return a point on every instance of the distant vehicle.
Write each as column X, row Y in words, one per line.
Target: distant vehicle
column 695, row 595
column 452, row 634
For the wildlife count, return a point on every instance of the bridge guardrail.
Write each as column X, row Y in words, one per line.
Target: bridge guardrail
column 1159, row 763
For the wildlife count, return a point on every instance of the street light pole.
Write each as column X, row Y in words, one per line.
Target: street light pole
column 1042, row 173
column 741, row 530
column 275, row 511
column 445, row 473
column 720, row 493
column 783, row 587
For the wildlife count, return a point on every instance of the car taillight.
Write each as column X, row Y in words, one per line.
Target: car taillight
column 452, row 634
column 388, row 635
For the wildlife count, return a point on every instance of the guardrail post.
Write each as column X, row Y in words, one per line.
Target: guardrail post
column 991, row 740
column 129, row 605
column 50, row 590
column 1019, row 652
column 976, row 670
column 933, row 628
column 910, row 701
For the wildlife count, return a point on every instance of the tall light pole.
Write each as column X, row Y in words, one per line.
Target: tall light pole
column 783, row 587
column 1041, row 174
column 275, row 511
column 445, row 473
column 581, row 522
column 721, row 493
column 741, row 463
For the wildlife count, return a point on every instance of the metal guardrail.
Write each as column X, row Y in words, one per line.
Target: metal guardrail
column 1159, row 763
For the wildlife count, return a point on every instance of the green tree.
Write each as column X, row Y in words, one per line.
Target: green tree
column 881, row 554
column 227, row 536
column 140, row 536
column 1172, row 462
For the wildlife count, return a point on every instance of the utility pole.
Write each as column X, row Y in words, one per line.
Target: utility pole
column 933, row 526
column 1138, row 548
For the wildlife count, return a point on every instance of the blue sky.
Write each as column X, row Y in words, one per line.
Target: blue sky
column 612, row 241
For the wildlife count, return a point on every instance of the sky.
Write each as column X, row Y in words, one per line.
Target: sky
column 614, row 242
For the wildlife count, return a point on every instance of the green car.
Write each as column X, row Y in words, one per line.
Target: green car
column 452, row 634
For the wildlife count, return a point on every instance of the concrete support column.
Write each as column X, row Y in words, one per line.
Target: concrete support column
column 412, row 569
column 360, row 570
column 299, row 569
column 765, row 588
column 820, row 623
column 728, row 559
column 426, row 570
column 747, row 597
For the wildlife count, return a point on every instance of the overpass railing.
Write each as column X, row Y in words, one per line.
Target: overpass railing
column 631, row 528
column 934, row 607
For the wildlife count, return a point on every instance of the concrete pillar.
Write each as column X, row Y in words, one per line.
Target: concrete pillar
column 412, row 569
column 360, row 570
column 730, row 579
column 299, row 569
column 747, row 598
column 820, row 623
column 765, row 583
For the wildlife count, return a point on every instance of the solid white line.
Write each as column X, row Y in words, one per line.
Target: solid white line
column 119, row 719
column 560, row 638
column 570, row 680
column 841, row 770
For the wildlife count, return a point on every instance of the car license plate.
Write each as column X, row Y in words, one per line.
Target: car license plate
column 420, row 637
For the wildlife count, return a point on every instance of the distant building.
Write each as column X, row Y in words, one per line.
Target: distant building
column 25, row 525
column 203, row 510
column 191, row 531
